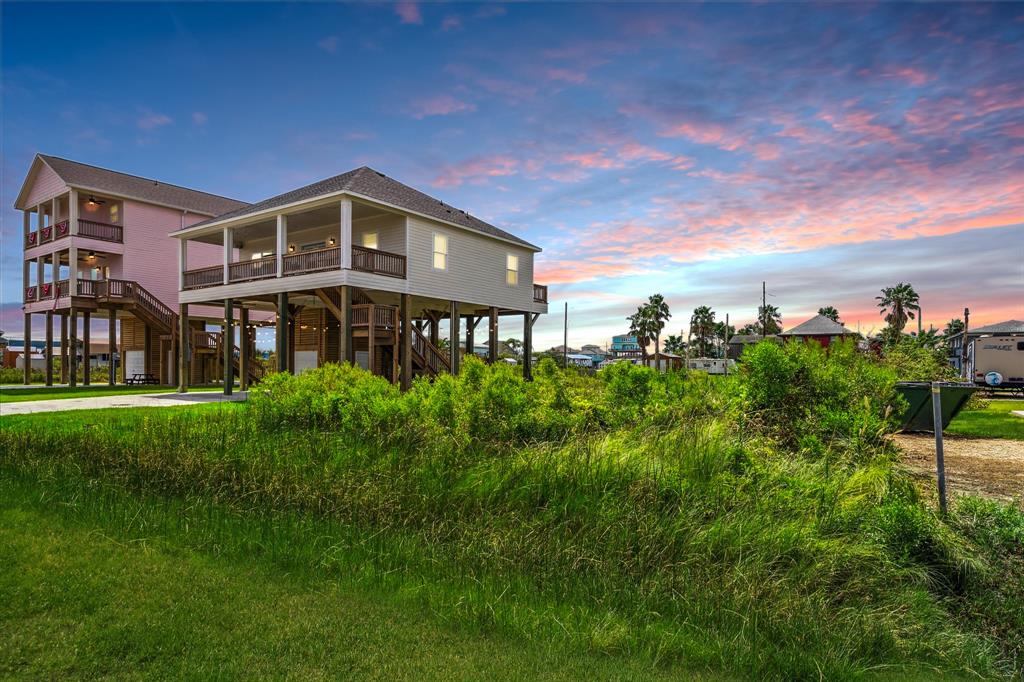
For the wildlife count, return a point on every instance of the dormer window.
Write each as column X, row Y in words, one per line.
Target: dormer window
column 440, row 251
column 512, row 270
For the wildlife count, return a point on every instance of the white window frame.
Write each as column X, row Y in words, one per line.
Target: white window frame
column 511, row 273
column 435, row 253
column 366, row 238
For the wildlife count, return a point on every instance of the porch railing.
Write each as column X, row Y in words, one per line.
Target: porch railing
column 32, row 238
column 87, row 287
column 31, row 293
column 62, row 288
column 315, row 260
column 385, row 317
column 93, row 229
column 204, row 277
column 378, row 262
column 261, row 268
column 540, row 293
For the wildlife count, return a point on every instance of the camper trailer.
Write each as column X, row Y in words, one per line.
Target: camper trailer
column 712, row 365
column 997, row 361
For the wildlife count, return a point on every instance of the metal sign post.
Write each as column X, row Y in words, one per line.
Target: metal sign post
column 940, row 464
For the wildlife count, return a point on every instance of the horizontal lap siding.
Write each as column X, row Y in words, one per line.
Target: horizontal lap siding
column 476, row 268
column 46, row 185
column 150, row 256
column 390, row 231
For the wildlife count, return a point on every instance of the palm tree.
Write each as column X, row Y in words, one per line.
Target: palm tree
column 770, row 319
column 702, row 327
column 641, row 326
column 514, row 345
column 657, row 311
column 953, row 327
column 831, row 313
column 898, row 305
column 750, row 329
column 675, row 344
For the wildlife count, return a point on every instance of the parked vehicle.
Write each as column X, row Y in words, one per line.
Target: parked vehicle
column 997, row 361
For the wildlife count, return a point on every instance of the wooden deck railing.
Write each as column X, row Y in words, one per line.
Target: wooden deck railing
column 385, row 317
column 260, row 268
column 32, row 238
column 540, row 293
column 46, row 234
column 61, row 229
column 46, row 290
column 315, row 260
column 93, row 229
column 378, row 262
column 62, row 288
column 31, row 293
column 87, row 287
column 204, row 277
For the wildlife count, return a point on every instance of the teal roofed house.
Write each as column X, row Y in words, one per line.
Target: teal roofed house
column 625, row 346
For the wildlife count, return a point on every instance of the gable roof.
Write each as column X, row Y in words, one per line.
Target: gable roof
column 76, row 174
column 1007, row 327
column 372, row 184
column 819, row 325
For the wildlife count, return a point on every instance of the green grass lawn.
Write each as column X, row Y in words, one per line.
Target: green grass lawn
column 78, row 600
column 118, row 417
column 995, row 421
column 19, row 395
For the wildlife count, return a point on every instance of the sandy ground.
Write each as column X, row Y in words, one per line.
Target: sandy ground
column 993, row 467
column 134, row 400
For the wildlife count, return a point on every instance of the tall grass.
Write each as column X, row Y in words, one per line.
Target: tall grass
column 632, row 514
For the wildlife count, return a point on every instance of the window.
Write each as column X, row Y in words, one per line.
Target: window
column 370, row 240
column 115, row 214
column 440, row 251
column 1020, row 345
column 262, row 254
column 312, row 246
column 512, row 270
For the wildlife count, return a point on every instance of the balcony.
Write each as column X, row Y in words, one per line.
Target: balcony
column 303, row 263
column 90, row 229
column 540, row 293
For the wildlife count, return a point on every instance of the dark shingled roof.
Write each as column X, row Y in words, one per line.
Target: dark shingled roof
column 819, row 325
column 375, row 185
column 1007, row 327
column 78, row 174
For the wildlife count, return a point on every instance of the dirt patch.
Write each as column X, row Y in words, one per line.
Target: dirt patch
column 992, row 467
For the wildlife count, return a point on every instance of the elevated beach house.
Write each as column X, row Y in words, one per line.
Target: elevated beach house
column 360, row 268
column 95, row 244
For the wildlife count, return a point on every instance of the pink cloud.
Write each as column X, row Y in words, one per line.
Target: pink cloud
column 566, row 76
column 712, row 134
column 477, row 170
column 442, row 105
column 409, row 13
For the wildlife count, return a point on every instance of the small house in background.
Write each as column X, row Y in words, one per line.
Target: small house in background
column 596, row 353
column 579, row 360
column 667, row 361
column 738, row 342
column 819, row 328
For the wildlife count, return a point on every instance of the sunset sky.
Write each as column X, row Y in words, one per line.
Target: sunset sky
column 689, row 150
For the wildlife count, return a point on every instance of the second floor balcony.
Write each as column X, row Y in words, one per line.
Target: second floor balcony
column 90, row 229
column 364, row 259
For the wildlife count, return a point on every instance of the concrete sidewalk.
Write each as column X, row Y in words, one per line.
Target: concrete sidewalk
column 135, row 400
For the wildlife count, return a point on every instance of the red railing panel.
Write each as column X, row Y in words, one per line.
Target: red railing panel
column 31, row 293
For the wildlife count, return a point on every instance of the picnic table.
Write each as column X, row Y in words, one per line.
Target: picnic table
column 142, row 379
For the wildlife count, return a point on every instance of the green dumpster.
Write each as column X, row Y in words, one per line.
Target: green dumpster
column 918, row 394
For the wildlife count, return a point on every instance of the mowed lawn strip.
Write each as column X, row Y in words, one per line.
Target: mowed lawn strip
column 79, row 419
column 77, row 603
column 994, row 421
column 21, row 395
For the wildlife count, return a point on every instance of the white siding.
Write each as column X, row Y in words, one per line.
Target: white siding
column 476, row 268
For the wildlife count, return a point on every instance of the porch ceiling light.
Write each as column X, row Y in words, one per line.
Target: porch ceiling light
column 331, row 241
column 291, row 248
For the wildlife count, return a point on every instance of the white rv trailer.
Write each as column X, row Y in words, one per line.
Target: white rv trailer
column 997, row 361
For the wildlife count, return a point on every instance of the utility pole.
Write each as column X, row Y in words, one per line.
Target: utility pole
column 725, row 350
column 764, row 310
column 963, row 346
column 565, row 338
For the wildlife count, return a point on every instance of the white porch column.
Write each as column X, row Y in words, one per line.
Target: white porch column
column 346, row 234
column 229, row 240
column 282, row 242
column 26, row 220
column 182, row 262
column 54, row 208
column 73, row 212
column 73, row 271
column 41, row 265
column 40, row 217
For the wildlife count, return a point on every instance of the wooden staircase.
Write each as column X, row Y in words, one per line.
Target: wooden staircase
column 426, row 357
column 140, row 302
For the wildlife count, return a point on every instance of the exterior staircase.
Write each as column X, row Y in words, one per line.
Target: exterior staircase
column 139, row 301
column 426, row 357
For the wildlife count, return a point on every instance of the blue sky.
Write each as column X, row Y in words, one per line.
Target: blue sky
column 691, row 150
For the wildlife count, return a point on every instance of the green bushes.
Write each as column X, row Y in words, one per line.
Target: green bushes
column 818, row 401
column 630, row 513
